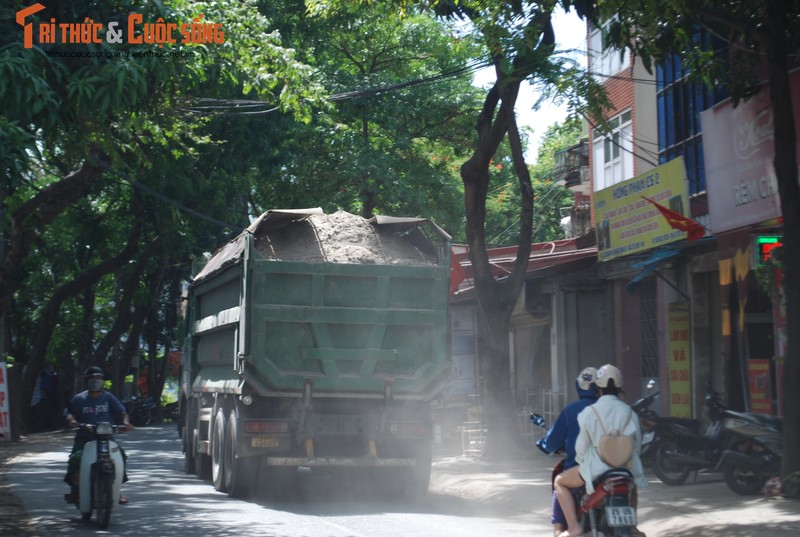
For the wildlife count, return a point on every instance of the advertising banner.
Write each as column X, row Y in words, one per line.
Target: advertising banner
column 627, row 223
column 738, row 148
column 5, row 415
column 759, row 384
column 680, row 366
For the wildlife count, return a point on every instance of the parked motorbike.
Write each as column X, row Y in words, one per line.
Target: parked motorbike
column 140, row 411
column 101, row 474
column 648, row 421
column 654, row 426
column 746, row 447
column 608, row 511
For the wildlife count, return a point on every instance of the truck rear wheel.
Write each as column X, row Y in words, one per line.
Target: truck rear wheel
column 411, row 483
column 188, row 449
column 239, row 477
column 416, row 480
column 218, row 451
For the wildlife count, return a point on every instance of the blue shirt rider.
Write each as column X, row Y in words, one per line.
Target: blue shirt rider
column 89, row 408
column 564, row 432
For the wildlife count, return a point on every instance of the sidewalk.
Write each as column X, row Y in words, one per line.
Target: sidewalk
column 700, row 507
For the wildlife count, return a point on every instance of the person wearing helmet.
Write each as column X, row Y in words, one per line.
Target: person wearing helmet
column 615, row 414
column 90, row 407
column 564, row 433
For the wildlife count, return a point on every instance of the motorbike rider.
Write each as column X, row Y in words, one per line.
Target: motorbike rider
column 91, row 407
column 615, row 414
column 564, row 433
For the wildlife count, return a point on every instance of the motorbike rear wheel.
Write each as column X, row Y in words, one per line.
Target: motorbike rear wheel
column 140, row 417
column 104, row 499
column 743, row 480
column 670, row 472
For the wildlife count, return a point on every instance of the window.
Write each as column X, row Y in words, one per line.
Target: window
column 679, row 103
column 613, row 153
column 605, row 64
column 648, row 328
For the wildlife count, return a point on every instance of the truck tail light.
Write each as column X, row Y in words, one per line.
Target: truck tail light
column 266, row 426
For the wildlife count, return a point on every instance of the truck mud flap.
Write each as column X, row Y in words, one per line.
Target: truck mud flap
column 350, row 462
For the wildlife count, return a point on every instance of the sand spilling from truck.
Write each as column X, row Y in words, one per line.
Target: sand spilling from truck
column 340, row 237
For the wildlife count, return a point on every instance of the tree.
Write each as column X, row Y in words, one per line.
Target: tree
column 503, row 201
column 761, row 34
column 519, row 42
column 90, row 129
column 400, row 112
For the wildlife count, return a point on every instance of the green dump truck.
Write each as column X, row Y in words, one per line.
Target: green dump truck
column 316, row 341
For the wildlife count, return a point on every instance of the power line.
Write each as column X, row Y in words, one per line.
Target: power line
column 210, row 104
column 122, row 176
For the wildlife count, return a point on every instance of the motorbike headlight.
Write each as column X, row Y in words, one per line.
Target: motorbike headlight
column 105, row 428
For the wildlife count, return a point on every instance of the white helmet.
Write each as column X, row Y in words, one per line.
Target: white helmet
column 586, row 378
column 609, row 372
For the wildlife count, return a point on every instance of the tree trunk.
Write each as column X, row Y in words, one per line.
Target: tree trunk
column 37, row 212
column 125, row 313
column 786, row 172
column 49, row 317
column 495, row 300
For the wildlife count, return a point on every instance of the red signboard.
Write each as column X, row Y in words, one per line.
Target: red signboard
column 759, row 382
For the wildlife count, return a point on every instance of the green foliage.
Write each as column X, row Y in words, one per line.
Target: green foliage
column 738, row 33
column 167, row 179
column 504, row 200
column 389, row 140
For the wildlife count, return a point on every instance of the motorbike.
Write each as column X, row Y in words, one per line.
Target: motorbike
column 746, row 447
column 140, row 411
column 654, row 426
column 648, row 421
column 101, row 474
column 608, row 511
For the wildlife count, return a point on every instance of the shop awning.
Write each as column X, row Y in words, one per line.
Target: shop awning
column 649, row 265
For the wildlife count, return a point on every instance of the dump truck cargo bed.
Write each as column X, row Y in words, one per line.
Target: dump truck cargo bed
column 355, row 311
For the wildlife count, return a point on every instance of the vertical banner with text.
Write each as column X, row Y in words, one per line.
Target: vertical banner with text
column 759, row 382
column 680, row 364
column 5, row 415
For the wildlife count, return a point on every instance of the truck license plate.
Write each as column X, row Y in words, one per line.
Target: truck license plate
column 621, row 516
column 264, row 442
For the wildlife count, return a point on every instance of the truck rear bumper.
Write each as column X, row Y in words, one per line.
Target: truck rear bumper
column 351, row 462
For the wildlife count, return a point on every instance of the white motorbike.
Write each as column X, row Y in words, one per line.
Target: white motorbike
column 101, row 475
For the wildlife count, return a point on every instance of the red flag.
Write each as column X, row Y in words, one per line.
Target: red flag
column 677, row 221
column 457, row 274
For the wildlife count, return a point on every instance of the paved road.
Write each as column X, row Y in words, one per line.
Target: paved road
column 467, row 496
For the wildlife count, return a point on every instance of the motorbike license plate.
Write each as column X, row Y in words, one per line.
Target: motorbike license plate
column 621, row 516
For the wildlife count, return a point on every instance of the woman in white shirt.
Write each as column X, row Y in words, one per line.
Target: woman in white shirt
column 615, row 414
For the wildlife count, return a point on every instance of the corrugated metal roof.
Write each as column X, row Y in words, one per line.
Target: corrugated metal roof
column 559, row 255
